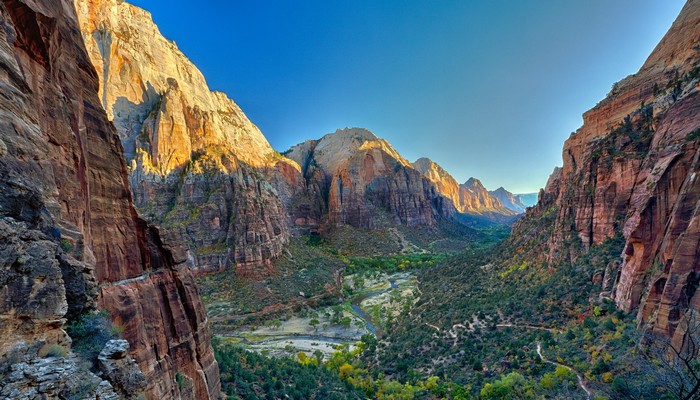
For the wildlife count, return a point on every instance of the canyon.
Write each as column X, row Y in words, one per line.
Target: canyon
column 203, row 172
column 125, row 178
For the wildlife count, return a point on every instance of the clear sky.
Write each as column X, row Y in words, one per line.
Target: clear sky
column 489, row 89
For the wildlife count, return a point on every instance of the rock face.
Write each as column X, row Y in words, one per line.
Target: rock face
column 70, row 230
column 469, row 198
column 198, row 166
column 25, row 375
column 121, row 369
column 475, row 198
column 509, row 200
column 358, row 179
column 631, row 169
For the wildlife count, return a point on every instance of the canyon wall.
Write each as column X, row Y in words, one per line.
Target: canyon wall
column 198, row 166
column 72, row 239
column 631, row 170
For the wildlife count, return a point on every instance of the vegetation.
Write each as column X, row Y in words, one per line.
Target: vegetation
column 56, row 350
column 391, row 264
column 306, row 277
column 490, row 322
column 248, row 375
column 90, row 333
column 481, row 315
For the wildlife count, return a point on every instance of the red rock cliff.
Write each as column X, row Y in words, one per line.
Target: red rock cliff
column 632, row 169
column 63, row 173
column 355, row 178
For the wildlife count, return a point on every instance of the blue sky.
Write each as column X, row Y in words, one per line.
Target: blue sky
column 489, row 89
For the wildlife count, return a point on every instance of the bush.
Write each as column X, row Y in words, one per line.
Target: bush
column 90, row 333
column 56, row 351
column 179, row 379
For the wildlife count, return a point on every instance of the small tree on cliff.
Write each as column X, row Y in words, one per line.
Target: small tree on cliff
column 669, row 368
column 680, row 362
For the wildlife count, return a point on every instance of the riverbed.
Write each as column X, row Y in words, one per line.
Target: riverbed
column 314, row 331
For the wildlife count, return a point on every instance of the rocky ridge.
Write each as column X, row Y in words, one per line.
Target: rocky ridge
column 631, row 170
column 72, row 239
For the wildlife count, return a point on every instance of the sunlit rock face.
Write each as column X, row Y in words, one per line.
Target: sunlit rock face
column 469, row 197
column 361, row 180
column 71, row 237
column 198, row 166
column 632, row 168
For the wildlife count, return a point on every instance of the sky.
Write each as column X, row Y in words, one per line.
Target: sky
column 489, row 89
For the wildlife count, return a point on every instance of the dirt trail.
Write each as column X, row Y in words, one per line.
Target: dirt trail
column 578, row 376
column 535, row 327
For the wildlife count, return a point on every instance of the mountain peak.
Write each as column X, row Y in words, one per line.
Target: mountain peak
column 509, row 200
column 424, row 162
column 359, row 134
column 334, row 149
column 473, row 183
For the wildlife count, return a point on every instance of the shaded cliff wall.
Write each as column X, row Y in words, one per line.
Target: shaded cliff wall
column 64, row 175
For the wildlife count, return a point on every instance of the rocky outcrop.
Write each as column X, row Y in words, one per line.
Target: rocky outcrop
column 70, row 231
column 120, row 369
column 631, row 170
column 469, row 198
column 26, row 375
column 358, row 179
column 198, row 166
column 444, row 182
column 509, row 200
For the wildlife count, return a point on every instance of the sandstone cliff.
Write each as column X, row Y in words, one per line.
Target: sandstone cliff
column 631, row 169
column 362, row 181
column 70, row 233
column 197, row 165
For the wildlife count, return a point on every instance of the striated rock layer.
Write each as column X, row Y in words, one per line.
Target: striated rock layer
column 198, row 167
column 71, row 231
column 360, row 180
column 631, row 169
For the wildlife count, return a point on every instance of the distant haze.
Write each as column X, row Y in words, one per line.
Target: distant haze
column 529, row 199
column 489, row 89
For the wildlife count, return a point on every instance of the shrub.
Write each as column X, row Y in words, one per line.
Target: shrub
column 56, row 351
column 179, row 379
column 607, row 377
column 90, row 333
